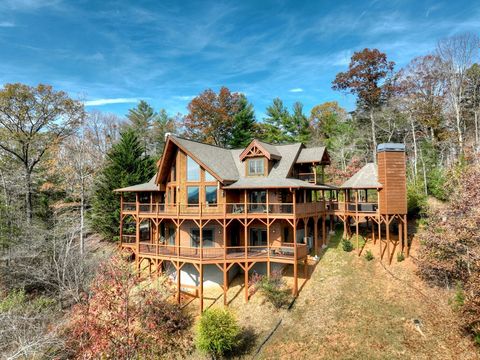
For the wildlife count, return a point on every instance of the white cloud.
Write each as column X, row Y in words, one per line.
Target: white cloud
column 7, row 24
column 100, row 102
column 296, row 90
column 184, row 97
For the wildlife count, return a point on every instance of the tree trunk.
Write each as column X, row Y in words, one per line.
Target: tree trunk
column 374, row 136
column 28, row 196
column 477, row 139
column 458, row 121
column 82, row 218
column 415, row 151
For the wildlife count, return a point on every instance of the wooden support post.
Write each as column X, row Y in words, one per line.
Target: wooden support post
column 400, row 233
column 405, row 234
column 379, row 235
column 246, row 282
column 201, row 286
column 178, row 283
column 345, row 234
column 373, row 232
column 357, row 234
column 387, row 225
column 315, row 236
column 324, row 229
column 305, row 268
column 295, row 260
column 225, row 284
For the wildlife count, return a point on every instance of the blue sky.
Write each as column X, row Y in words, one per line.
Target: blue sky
column 113, row 53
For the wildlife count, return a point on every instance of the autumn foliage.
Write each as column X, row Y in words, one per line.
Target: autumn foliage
column 450, row 255
column 123, row 320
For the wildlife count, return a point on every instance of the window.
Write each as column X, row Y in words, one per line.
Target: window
column 211, row 195
column 256, row 167
column 209, row 177
column 258, row 237
column 207, row 235
column 193, row 195
column 173, row 174
column 171, row 236
column 193, row 170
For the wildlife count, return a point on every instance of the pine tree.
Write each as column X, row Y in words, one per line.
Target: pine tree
column 142, row 119
column 126, row 165
column 244, row 124
column 274, row 125
column 299, row 126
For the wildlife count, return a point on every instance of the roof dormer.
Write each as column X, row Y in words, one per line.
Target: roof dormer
column 259, row 149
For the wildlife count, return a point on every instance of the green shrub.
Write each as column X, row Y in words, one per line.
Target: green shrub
column 369, row 255
column 274, row 291
column 459, row 297
column 416, row 198
column 217, row 332
column 347, row 245
column 400, row 257
column 476, row 338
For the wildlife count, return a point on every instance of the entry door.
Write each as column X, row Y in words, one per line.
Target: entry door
column 258, row 237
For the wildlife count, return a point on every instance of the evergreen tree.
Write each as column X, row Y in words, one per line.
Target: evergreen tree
column 282, row 127
column 142, row 119
column 244, row 124
column 274, row 125
column 299, row 126
column 126, row 165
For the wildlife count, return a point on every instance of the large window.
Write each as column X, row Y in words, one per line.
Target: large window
column 211, row 195
column 193, row 170
column 256, row 167
column 207, row 235
column 258, row 237
column 209, row 177
column 193, row 195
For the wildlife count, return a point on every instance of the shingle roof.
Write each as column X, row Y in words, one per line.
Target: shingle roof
column 309, row 155
column 272, row 149
column 365, row 178
column 267, row 182
column 149, row 186
column 218, row 159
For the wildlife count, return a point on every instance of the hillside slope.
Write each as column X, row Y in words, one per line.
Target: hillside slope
column 355, row 309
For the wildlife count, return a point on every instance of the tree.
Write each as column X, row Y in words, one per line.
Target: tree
column 457, row 54
column 299, row 126
column 369, row 77
column 244, row 124
column 121, row 320
column 32, row 121
column 142, row 118
column 126, row 165
column 211, row 117
column 282, row 127
column 162, row 125
column 472, row 92
column 274, row 124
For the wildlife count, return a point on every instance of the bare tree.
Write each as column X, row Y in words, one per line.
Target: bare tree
column 458, row 54
column 32, row 121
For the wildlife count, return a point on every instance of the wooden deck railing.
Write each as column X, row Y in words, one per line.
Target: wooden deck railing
column 220, row 252
column 230, row 209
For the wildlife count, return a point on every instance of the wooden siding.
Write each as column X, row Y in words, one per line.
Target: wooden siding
column 392, row 175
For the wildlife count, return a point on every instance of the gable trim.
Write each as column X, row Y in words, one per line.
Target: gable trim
column 256, row 145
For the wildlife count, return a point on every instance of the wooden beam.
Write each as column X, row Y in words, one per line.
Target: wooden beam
column 201, row 287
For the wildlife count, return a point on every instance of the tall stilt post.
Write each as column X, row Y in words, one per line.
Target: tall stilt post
column 201, row 287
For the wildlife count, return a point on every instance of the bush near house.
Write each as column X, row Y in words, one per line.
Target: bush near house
column 122, row 320
column 217, row 332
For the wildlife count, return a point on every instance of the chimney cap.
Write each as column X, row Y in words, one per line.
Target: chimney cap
column 390, row 147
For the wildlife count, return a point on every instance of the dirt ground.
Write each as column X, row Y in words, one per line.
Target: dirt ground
column 352, row 308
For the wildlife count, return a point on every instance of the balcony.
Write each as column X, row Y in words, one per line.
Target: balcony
column 285, row 252
column 353, row 207
column 228, row 210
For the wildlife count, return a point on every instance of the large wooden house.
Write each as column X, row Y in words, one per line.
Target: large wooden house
column 211, row 213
